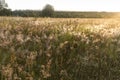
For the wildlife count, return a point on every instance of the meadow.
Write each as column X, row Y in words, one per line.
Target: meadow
column 59, row 48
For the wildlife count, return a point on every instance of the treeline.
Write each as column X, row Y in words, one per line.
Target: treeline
column 48, row 11
column 27, row 13
column 58, row 14
column 5, row 12
column 66, row 14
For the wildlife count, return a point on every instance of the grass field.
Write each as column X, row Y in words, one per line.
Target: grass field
column 59, row 49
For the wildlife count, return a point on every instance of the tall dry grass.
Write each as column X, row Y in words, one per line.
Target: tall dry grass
column 59, row 49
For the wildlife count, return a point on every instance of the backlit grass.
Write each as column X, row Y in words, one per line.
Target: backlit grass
column 59, row 49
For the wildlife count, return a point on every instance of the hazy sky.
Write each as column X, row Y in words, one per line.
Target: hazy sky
column 70, row 5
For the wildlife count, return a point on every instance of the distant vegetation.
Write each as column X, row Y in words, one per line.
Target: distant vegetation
column 67, row 14
column 48, row 11
column 60, row 14
column 5, row 12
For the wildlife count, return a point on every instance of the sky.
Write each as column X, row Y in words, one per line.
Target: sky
column 66, row 5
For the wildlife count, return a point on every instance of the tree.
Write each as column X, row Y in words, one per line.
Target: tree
column 1, row 7
column 48, row 11
column 5, row 12
column 3, row 4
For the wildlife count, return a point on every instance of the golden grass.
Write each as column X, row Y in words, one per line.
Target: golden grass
column 59, row 48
